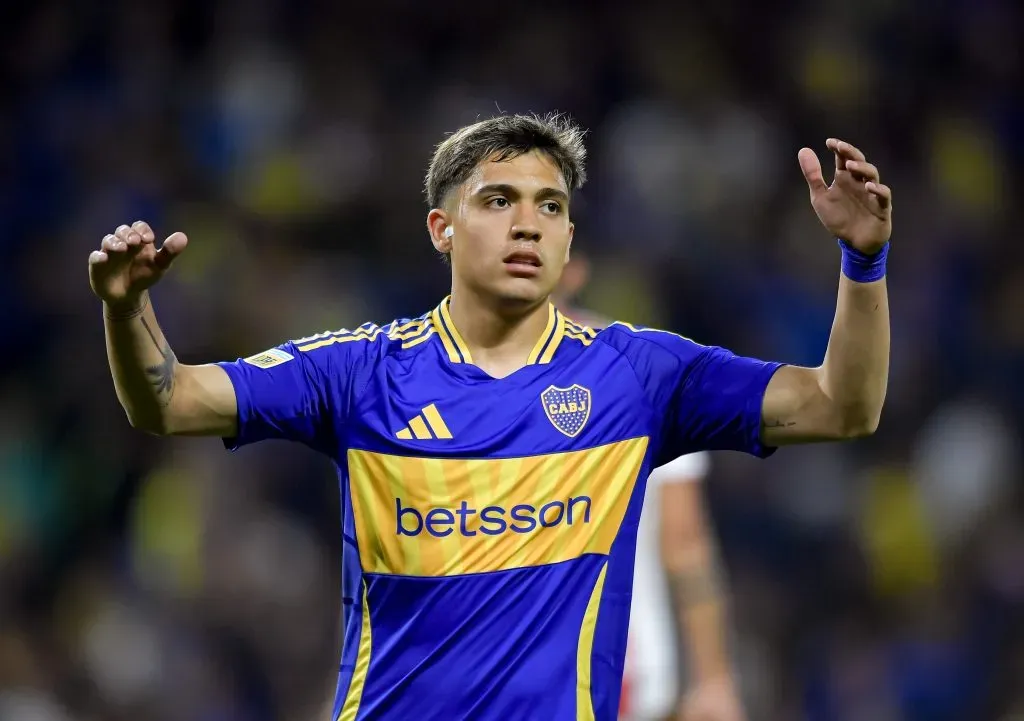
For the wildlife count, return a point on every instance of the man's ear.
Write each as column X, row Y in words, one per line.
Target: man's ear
column 568, row 248
column 439, row 225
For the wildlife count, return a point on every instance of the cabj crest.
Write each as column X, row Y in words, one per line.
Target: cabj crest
column 568, row 409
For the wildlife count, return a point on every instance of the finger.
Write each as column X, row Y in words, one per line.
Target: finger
column 145, row 232
column 811, row 168
column 98, row 257
column 848, row 151
column 882, row 192
column 833, row 145
column 862, row 170
column 173, row 246
column 113, row 244
column 851, row 152
column 131, row 239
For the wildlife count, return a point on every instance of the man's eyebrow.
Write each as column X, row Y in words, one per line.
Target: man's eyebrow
column 512, row 192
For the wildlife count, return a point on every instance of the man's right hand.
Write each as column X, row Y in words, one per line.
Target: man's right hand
column 128, row 262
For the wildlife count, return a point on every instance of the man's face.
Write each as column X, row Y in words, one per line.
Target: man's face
column 511, row 229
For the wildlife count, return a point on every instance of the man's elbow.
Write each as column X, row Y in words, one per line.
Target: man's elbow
column 154, row 424
column 860, row 424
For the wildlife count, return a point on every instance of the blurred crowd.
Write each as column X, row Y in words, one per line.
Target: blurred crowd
column 169, row 579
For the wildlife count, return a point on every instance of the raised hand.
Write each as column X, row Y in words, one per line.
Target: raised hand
column 856, row 207
column 128, row 262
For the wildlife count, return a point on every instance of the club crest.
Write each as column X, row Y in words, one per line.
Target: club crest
column 568, row 409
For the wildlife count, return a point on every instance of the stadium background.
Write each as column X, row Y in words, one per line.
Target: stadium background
column 159, row 579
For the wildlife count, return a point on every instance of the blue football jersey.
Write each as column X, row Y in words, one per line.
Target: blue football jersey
column 489, row 524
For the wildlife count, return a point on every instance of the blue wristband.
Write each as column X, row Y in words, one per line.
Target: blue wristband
column 860, row 267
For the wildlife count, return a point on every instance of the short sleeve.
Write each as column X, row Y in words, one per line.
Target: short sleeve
column 706, row 397
column 289, row 394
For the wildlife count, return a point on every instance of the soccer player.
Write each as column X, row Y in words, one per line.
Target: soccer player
column 677, row 601
column 492, row 455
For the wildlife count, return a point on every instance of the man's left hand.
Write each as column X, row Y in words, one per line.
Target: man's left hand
column 856, row 207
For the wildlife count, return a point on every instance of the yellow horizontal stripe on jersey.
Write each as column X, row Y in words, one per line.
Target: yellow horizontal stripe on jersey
column 354, row 697
column 443, row 517
column 585, row 651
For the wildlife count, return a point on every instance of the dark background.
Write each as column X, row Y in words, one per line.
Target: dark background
column 881, row 580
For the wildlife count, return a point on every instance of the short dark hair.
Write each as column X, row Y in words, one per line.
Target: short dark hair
column 503, row 138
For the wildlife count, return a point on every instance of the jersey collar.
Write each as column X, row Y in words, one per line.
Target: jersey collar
column 458, row 351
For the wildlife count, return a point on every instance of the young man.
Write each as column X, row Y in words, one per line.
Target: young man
column 492, row 455
column 677, row 603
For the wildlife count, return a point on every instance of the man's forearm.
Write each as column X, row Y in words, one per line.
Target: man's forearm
column 700, row 607
column 142, row 364
column 855, row 372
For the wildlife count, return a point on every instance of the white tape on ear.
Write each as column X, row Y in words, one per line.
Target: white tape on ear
column 449, row 232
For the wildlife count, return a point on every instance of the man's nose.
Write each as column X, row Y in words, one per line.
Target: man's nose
column 526, row 227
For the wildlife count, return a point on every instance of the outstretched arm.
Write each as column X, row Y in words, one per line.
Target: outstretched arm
column 843, row 397
column 158, row 394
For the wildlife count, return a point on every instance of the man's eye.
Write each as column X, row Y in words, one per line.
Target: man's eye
column 552, row 207
column 499, row 202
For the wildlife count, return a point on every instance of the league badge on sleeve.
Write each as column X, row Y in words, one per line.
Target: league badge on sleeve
column 568, row 409
column 269, row 358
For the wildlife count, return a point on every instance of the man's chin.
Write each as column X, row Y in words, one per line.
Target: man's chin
column 521, row 291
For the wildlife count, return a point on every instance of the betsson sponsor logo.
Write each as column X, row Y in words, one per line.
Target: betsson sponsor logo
column 493, row 520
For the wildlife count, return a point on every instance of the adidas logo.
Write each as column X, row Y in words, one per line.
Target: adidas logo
column 425, row 426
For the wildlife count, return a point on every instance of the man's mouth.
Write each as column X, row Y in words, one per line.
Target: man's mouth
column 524, row 258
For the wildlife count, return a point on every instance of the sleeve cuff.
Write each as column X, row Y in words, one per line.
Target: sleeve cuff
column 755, row 411
column 243, row 404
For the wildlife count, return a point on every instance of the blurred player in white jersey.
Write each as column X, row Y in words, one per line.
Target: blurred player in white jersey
column 678, row 602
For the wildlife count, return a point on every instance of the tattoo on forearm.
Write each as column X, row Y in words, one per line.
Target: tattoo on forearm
column 779, row 423
column 694, row 587
column 161, row 375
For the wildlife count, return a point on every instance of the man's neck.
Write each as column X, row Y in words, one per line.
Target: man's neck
column 500, row 337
